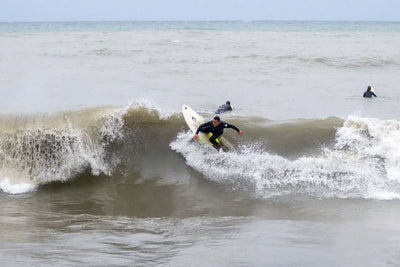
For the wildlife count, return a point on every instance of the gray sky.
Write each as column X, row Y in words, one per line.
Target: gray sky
column 70, row 10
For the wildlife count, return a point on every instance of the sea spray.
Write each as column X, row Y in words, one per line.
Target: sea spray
column 41, row 149
column 362, row 164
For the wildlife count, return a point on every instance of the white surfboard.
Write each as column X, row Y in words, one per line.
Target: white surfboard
column 193, row 120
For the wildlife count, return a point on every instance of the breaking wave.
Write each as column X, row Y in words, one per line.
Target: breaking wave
column 41, row 149
column 330, row 158
column 363, row 162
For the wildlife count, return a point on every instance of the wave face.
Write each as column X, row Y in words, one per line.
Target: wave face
column 327, row 158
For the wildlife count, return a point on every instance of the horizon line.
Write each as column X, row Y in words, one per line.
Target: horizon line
column 195, row 20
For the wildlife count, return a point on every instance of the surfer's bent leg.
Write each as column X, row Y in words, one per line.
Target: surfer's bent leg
column 213, row 141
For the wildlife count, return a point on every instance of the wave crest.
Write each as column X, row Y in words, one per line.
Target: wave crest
column 40, row 149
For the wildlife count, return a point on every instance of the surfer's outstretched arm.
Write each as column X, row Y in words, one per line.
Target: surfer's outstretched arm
column 227, row 125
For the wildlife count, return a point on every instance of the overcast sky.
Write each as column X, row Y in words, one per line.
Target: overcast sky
column 70, row 10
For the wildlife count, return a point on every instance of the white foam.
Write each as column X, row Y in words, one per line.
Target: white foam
column 371, row 137
column 46, row 155
column 18, row 188
column 365, row 163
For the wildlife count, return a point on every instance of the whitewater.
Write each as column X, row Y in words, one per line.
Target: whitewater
column 96, row 160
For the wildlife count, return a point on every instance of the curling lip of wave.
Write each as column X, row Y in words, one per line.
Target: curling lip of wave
column 40, row 149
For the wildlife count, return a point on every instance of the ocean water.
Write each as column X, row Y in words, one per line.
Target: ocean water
column 97, row 165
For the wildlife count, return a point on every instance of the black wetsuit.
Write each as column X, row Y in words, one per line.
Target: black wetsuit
column 208, row 127
column 223, row 108
column 369, row 94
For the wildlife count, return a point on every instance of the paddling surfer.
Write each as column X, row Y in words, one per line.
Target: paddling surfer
column 225, row 107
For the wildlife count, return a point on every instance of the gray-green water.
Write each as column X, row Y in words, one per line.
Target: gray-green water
column 97, row 166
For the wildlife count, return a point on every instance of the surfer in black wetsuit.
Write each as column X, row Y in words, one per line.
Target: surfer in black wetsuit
column 369, row 93
column 216, row 127
column 226, row 107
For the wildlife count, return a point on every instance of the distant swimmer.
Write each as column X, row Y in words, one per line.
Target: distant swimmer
column 226, row 107
column 216, row 127
column 369, row 93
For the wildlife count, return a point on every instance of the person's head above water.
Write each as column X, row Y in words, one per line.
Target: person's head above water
column 369, row 88
column 228, row 102
column 216, row 121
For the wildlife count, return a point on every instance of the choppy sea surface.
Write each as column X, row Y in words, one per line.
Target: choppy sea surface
column 98, row 167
